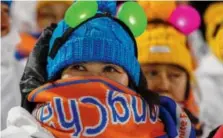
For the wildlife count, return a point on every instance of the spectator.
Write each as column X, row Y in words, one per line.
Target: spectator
column 10, row 70
column 210, row 71
column 48, row 12
column 167, row 65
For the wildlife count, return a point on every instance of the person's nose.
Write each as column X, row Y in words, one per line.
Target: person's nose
column 96, row 73
column 163, row 84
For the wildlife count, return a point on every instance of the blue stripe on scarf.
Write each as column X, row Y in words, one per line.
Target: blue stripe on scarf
column 170, row 106
column 163, row 136
column 168, row 115
column 192, row 133
column 170, row 126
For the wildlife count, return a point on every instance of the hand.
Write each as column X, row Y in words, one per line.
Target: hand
column 21, row 124
column 35, row 73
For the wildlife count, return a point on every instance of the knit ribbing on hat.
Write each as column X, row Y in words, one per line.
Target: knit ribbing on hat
column 164, row 45
column 98, row 40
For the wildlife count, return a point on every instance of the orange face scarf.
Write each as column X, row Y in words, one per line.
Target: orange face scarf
column 94, row 107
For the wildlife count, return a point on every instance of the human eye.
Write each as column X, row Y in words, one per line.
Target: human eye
column 5, row 10
column 78, row 67
column 111, row 68
column 153, row 73
column 174, row 75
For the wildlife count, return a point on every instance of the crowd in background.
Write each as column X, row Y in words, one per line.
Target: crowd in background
column 185, row 66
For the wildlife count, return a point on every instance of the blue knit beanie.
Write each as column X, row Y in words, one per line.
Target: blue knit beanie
column 100, row 39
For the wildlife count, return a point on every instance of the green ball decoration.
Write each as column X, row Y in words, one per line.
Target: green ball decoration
column 80, row 11
column 133, row 15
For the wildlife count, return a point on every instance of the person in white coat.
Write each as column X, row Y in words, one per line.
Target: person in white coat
column 210, row 79
column 210, row 71
column 10, row 69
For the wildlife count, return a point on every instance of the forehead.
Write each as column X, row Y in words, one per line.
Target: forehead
column 169, row 67
column 60, row 4
column 46, row 8
column 54, row 5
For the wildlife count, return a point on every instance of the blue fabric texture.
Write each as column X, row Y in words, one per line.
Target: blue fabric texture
column 98, row 40
column 18, row 55
column 107, row 6
column 176, row 123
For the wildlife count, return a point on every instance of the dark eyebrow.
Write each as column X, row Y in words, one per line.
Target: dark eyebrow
column 107, row 63
column 217, row 28
column 116, row 66
column 79, row 63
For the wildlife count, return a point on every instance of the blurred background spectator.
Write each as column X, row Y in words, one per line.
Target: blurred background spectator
column 210, row 71
column 205, row 47
column 167, row 60
column 33, row 20
column 48, row 12
column 167, row 65
column 10, row 69
column 21, row 25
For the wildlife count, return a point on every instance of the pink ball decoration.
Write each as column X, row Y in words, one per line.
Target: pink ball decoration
column 185, row 18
